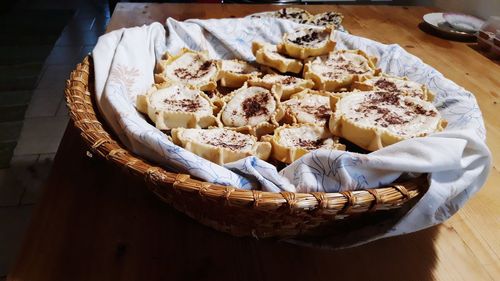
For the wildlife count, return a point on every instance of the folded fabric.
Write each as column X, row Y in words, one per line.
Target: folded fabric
column 457, row 159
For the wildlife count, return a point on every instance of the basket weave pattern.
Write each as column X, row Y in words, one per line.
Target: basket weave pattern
column 231, row 210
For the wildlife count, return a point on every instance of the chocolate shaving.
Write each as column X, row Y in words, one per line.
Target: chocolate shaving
column 226, row 140
column 309, row 144
column 306, row 39
column 256, row 105
column 188, row 105
column 186, row 73
column 386, row 85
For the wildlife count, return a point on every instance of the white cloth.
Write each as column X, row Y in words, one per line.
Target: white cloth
column 457, row 159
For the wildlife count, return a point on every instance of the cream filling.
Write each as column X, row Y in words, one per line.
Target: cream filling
column 327, row 19
column 400, row 115
column 178, row 98
column 220, row 138
column 309, row 108
column 191, row 68
column 249, row 106
column 309, row 37
column 309, row 137
column 239, row 67
column 339, row 65
column 396, row 85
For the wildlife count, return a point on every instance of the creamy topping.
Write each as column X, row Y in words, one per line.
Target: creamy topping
column 310, row 108
column 191, row 68
column 293, row 14
column 340, row 65
column 400, row 115
column 178, row 98
column 397, row 86
column 309, row 37
column 239, row 67
column 220, row 138
column 328, row 18
column 309, row 137
column 249, row 106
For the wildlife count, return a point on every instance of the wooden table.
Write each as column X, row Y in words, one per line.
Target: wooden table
column 95, row 223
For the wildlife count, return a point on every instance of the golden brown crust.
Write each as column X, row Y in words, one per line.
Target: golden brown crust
column 232, row 79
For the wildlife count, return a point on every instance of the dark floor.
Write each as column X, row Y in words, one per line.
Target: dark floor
column 45, row 120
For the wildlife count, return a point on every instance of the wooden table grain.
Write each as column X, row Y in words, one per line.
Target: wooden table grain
column 96, row 223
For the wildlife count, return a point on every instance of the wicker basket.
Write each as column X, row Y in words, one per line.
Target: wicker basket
column 235, row 211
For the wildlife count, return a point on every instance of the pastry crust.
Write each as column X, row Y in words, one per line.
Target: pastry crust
column 220, row 145
column 339, row 69
column 188, row 67
column 234, row 73
column 307, row 42
column 330, row 19
column 289, row 84
column 373, row 120
column 252, row 110
column 308, row 106
column 176, row 105
column 396, row 85
column 292, row 142
column 267, row 54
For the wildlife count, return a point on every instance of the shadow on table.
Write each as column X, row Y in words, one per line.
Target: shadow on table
column 105, row 225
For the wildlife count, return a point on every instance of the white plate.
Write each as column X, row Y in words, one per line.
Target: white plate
column 437, row 21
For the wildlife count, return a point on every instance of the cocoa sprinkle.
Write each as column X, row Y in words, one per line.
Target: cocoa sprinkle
column 188, row 105
column 256, row 105
column 320, row 112
column 185, row 73
column 309, row 144
column 226, row 140
column 386, row 85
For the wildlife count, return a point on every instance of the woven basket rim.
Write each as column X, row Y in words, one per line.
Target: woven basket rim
column 100, row 142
